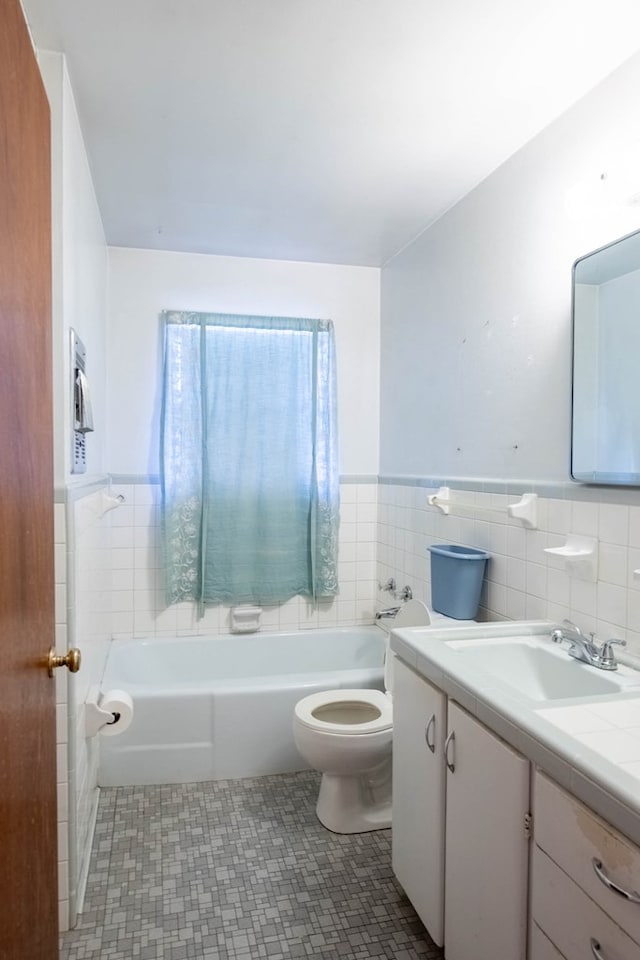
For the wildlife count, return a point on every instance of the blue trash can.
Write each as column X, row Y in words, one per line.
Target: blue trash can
column 456, row 579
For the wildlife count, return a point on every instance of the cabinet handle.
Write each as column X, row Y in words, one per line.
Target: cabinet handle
column 450, row 740
column 601, row 874
column 595, row 949
column 430, row 728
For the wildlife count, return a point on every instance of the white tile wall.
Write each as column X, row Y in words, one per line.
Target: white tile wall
column 89, row 615
column 138, row 606
column 60, row 560
column 522, row 580
column 83, row 619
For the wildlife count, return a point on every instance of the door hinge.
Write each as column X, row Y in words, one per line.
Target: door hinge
column 528, row 825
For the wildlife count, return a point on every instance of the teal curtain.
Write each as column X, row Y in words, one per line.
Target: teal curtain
column 250, row 495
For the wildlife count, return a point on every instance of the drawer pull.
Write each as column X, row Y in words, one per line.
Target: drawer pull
column 595, row 949
column 451, row 739
column 430, row 728
column 601, row 874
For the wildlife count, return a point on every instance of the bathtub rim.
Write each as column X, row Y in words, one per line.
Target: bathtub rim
column 302, row 678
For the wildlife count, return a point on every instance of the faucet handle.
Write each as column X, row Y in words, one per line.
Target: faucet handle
column 610, row 643
column 607, row 658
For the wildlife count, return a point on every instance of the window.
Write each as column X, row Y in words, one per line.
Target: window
column 250, row 494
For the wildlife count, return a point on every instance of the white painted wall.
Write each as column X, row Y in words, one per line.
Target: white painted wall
column 79, row 270
column 476, row 376
column 85, row 279
column 144, row 282
column 476, row 325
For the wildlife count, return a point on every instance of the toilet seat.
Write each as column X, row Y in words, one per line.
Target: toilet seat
column 307, row 710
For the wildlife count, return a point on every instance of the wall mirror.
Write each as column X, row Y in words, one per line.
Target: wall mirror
column 605, row 435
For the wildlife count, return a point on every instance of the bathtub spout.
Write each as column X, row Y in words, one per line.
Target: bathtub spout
column 387, row 614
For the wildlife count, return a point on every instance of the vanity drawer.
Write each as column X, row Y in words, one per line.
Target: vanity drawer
column 571, row 920
column 541, row 947
column 573, row 836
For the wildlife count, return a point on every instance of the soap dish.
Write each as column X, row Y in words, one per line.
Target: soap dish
column 245, row 619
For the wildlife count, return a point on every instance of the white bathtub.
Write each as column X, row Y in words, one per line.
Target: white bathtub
column 217, row 708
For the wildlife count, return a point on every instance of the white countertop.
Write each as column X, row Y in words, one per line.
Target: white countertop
column 590, row 745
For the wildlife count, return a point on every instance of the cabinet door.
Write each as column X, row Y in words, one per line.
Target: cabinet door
column 419, row 718
column 487, row 848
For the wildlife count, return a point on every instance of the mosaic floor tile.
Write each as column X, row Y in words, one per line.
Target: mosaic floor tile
column 237, row 870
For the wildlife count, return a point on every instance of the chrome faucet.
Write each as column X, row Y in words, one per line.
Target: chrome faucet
column 390, row 587
column 387, row 614
column 403, row 595
column 585, row 649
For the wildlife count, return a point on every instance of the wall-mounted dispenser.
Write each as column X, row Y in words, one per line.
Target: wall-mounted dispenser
column 109, row 713
column 81, row 414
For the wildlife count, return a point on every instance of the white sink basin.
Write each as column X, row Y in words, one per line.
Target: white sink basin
column 538, row 670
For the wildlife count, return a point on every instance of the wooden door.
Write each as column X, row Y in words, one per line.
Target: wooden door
column 419, row 720
column 28, row 884
column 487, row 850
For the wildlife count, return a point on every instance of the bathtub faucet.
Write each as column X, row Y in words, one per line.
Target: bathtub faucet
column 387, row 614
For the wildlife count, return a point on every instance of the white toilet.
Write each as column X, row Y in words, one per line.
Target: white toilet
column 347, row 736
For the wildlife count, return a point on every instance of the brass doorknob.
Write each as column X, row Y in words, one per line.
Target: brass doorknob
column 70, row 659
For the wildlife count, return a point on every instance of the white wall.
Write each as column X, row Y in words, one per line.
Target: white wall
column 85, row 279
column 79, row 257
column 476, row 326
column 144, row 282
column 476, row 378
column 522, row 582
column 79, row 270
column 90, row 627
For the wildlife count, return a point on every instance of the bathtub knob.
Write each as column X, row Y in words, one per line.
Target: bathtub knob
column 70, row 659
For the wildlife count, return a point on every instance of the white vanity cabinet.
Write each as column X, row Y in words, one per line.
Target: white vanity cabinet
column 487, row 845
column 559, row 884
column 585, row 881
column 479, row 910
column 419, row 719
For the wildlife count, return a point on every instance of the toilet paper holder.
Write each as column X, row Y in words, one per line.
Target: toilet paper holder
column 95, row 717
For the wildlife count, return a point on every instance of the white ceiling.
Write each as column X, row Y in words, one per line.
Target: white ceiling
column 324, row 130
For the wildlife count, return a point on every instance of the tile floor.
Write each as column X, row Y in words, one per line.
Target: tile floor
column 235, row 870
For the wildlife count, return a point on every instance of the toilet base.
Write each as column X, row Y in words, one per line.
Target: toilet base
column 356, row 804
